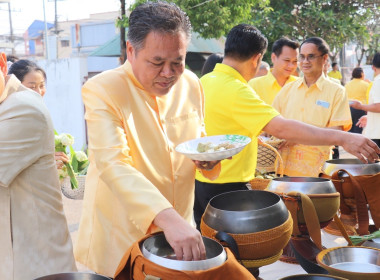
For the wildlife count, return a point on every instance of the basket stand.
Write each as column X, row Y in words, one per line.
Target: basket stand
column 269, row 160
column 70, row 193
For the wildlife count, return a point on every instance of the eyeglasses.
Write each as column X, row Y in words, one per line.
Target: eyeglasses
column 310, row 57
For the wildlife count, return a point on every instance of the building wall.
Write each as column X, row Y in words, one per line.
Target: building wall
column 65, row 78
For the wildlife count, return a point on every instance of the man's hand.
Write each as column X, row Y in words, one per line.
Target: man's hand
column 60, row 159
column 356, row 104
column 206, row 165
column 362, row 122
column 361, row 147
column 185, row 240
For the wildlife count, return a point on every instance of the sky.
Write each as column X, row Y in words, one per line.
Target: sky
column 24, row 12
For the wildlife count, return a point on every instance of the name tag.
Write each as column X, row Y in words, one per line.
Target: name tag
column 322, row 103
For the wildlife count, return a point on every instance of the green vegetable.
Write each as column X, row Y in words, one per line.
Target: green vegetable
column 357, row 239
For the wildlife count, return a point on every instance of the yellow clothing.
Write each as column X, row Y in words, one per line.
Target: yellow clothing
column 267, row 86
column 356, row 89
column 34, row 237
column 334, row 80
column 324, row 104
column 134, row 171
column 367, row 92
column 335, row 74
column 232, row 107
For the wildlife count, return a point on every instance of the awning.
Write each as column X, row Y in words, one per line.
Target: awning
column 196, row 45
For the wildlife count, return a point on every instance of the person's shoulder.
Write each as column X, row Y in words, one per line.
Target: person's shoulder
column 257, row 80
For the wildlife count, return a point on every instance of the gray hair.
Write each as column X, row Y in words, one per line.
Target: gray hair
column 264, row 65
column 161, row 17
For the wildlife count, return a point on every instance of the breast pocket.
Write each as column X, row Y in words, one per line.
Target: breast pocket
column 320, row 115
column 184, row 127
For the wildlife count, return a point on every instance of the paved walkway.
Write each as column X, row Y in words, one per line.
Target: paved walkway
column 73, row 210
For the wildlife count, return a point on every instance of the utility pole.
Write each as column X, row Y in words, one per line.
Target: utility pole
column 56, row 27
column 11, row 29
column 46, row 33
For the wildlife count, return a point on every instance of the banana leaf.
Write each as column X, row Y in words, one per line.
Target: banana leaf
column 357, row 239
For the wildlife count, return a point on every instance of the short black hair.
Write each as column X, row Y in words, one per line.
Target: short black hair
column 210, row 63
column 243, row 41
column 12, row 58
column 334, row 64
column 323, row 47
column 376, row 60
column 161, row 17
column 357, row 73
column 22, row 67
column 284, row 41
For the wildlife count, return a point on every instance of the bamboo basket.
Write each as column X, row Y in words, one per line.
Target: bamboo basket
column 269, row 160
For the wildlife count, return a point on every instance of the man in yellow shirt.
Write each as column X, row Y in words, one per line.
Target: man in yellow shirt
column 136, row 114
column 326, row 67
column 313, row 100
column 284, row 59
column 232, row 107
column 334, row 73
column 357, row 90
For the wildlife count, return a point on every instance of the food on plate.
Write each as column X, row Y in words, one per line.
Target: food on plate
column 210, row 147
column 262, row 174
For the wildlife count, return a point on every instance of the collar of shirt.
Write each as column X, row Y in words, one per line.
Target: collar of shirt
column 319, row 83
column 224, row 68
column 128, row 68
column 270, row 78
column 12, row 85
column 376, row 78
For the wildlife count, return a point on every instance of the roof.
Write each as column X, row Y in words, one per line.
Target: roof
column 197, row 44
column 37, row 27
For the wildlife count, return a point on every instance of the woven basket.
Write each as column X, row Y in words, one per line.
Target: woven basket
column 73, row 193
column 269, row 160
column 258, row 246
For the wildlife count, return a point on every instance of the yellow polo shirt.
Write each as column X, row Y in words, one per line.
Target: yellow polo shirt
column 267, row 86
column 335, row 74
column 356, row 89
column 367, row 92
column 232, row 107
column 324, row 104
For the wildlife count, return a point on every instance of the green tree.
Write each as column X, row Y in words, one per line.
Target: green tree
column 336, row 21
column 213, row 18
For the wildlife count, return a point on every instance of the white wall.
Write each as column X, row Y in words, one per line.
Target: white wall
column 65, row 78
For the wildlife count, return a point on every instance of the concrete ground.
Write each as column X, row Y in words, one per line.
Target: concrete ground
column 73, row 210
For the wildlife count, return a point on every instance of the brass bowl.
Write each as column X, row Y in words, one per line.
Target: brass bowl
column 306, row 185
column 312, row 277
column 321, row 191
column 245, row 211
column 353, row 263
column 354, row 166
column 73, row 276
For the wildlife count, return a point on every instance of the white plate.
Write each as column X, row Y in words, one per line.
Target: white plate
column 189, row 148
